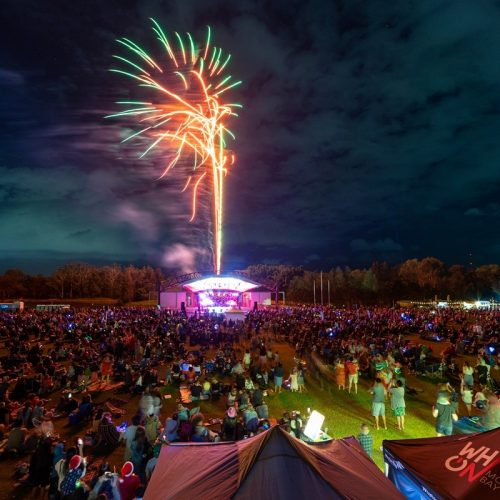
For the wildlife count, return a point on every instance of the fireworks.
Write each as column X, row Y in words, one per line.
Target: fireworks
column 184, row 114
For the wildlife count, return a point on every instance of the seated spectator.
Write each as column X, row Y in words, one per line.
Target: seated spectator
column 240, row 382
column 25, row 414
column 4, row 413
column 250, row 419
column 232, row 397
column 182, row 413
column 17, row 437
column 107, row 435
column 262, row 411
column 237, row 369
column 46, row 427
column 196, row 391
column 249, row 383
column 170, row 431
column 243, row 400
column 257, row 397
column 201, row 433
column 215, row 390
column 229, row 425
column 83, row 411
column 206, row 392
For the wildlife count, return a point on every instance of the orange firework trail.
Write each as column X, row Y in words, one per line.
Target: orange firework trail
column 186, row 117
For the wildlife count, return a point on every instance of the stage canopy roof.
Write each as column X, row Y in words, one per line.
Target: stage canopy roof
column 221, row 283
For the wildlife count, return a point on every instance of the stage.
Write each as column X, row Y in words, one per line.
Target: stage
column 231, row 295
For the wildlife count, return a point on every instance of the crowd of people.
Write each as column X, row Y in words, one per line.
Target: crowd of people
column 55, row 363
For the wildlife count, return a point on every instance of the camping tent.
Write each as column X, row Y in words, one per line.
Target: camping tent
column 272, row 465
column 462, row 466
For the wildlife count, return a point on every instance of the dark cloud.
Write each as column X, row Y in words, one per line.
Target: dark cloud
column 474, row 212
column 361, row 120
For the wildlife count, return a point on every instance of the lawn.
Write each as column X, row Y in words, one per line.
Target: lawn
column 343, row 412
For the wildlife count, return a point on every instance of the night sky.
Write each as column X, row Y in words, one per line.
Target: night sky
column 370, row 131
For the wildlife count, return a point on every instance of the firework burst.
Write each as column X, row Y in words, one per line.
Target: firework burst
column 185, row 116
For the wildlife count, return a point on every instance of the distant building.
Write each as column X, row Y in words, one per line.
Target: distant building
column 12, row 306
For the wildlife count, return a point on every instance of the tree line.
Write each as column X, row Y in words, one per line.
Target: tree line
column 381, row 283
column 81, row 280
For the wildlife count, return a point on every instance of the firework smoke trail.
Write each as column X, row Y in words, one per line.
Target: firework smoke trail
column 183, row 115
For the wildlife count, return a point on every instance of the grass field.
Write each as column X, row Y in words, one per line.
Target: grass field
column 344, row 412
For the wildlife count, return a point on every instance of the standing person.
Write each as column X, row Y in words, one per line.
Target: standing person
column 294, row 386
column 482, row 370
column 353, row 370
column 445, row 416
column 262, row 356
column 466, row 392
column 152, row 427
column 247, row 359
column 128, row 436
column 378, row 393
column 491, row 419
column 140, row 451
column 157, row 404
column 340, row 374
column 106, row 368
column 77, row 469
column 62, row 467
column 468, row 372
column 278, row 378
column 129, row 482
column 366, row 439
column 41, row 467
column 398, row 404
column 300, row 380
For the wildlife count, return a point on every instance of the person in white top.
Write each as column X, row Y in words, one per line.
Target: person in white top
column 128, row 436
column 466, row 392
column 468, row 372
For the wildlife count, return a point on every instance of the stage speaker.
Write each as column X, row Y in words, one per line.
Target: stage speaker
column 183, row 307
column 255, row 306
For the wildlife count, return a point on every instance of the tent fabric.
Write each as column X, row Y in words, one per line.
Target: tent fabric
column 454, row 467
column 272, row 465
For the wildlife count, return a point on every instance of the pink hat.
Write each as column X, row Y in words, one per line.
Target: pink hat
column 127, row 469
column 75, row 462
column 231, row 412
